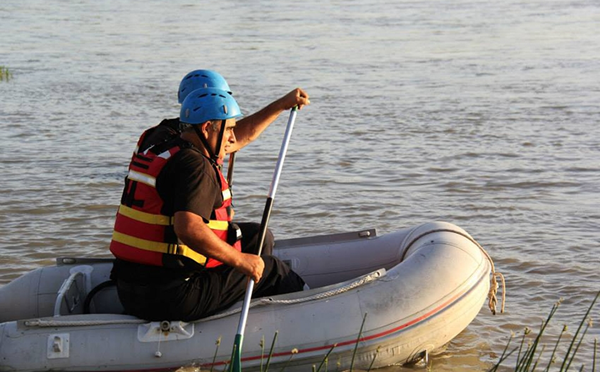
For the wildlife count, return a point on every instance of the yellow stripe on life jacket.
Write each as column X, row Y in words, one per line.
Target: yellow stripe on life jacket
column 154, row 219
column 186, row 251
column 218, row 225
column 149, row 245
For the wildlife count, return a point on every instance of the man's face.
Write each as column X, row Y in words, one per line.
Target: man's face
column 228, row 136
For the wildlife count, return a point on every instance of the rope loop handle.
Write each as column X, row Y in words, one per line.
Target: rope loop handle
column 493, row 300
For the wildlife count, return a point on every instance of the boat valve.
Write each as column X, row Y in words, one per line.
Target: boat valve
column 165, row 326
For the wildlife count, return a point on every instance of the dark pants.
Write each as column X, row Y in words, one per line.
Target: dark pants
column 250, row 236
column 205, row 292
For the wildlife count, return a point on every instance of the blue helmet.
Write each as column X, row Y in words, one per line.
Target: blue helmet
column 201, row 79
column 207, row 104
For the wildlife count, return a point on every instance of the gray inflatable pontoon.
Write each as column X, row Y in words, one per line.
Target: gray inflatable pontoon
column 412, row 291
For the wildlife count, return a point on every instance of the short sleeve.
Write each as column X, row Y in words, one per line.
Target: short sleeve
column 188, row 182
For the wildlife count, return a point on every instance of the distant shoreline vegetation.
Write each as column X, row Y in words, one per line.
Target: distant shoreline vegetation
column 5, row 73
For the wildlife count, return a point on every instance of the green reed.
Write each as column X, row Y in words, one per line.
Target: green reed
column 270, row 352
column 357, row 341
column 529, row 353
column 218, row 343
column 5, row 73
column 324, row 362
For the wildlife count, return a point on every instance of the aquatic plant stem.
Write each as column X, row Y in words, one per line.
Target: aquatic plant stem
column 594, row 357
column 525, row 332
column 537, row 361
column 577, row 347
column 374, row 357
column 565, row 363
column 564, row 330
column 528, row 358
column 262, row 352
column 271, row 350
column 357, row 342
column 294, row 351
column 218, row 342
column 504, row 354
column 324, row 361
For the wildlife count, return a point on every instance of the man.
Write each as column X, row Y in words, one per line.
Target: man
column 247, row 130
column 178, row 255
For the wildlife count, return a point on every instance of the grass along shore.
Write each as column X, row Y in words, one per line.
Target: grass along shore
column 534, row 355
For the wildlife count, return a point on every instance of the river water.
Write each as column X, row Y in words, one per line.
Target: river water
column 483, row 114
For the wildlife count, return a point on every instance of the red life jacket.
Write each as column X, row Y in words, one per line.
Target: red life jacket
column 143, row 234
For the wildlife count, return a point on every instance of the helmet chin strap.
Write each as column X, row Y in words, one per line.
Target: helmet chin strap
column 214, row 156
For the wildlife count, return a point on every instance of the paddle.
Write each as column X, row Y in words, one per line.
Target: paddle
column 236, row 357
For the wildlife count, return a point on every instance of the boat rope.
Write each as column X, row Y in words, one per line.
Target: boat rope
column 317, row 296
column 45, row 323
column 492, row 294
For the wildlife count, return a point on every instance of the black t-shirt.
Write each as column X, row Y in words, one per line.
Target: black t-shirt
column 189, row 182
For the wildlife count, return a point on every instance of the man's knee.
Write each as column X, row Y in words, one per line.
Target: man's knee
column 250, row 239
column 280, row 276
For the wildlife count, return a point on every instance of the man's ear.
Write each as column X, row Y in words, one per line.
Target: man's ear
column 204, row 128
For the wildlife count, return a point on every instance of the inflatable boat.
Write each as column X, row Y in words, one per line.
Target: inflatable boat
column 374, row 301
